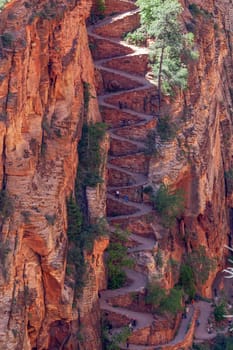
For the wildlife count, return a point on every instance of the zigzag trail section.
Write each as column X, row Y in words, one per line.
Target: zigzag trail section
column 129, row 105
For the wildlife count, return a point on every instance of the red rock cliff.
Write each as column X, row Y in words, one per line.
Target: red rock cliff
column 45, row 61
column 202, row 153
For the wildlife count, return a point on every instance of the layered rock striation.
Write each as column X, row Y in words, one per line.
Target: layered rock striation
column 45, row 63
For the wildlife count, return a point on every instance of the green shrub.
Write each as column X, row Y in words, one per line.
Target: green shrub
column 2, row 3
column 229, row 180
column 116, row 277
column 6, row 205
column 75, row 220
column 155, row 294
column 200, row 264
column 166, row 129
column 4, row 251
column 7, row 40
column 116, row 340
column 169, row 204
column 159, row 259
column 138, row 37
column 81, row 236
column 195, row 10
column 172, row 303
column 75, row 254
column 117, row 259
column 223, row 342
column 219, row 312
column 101, row 7
column 162, row 302
column 148, row 190
column 90, row 157
column 186, row 280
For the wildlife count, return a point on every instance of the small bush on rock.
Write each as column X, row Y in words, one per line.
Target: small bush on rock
column 168, row 203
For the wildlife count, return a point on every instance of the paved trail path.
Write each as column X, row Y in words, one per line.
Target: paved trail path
column 131, row 118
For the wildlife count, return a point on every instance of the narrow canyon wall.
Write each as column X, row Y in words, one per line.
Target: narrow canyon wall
column 198, row 159
column 44, row 64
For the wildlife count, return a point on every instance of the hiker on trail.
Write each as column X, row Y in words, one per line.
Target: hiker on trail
column 215, row 292
column 117, row 194
column 126, row 198
column 127, row 344
column 134, row 323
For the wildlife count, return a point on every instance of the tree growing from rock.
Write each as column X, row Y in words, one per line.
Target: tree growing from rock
column 161, row 21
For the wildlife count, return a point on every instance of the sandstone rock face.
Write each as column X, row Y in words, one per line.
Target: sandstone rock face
column 45, row 61
column 197, row 159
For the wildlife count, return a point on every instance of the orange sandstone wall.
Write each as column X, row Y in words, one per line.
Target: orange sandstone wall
column 197, row 159
column 44, row 61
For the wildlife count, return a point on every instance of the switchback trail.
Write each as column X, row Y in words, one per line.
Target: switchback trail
column 128, row 103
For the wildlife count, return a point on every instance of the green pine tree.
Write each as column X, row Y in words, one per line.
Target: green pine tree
column 161, row 20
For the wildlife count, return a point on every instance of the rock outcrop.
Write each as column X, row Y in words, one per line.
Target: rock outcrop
column 200, row 158
column 45, row 63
